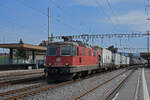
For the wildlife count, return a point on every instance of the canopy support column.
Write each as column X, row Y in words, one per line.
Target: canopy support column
column 33, row 56
column 11, row 55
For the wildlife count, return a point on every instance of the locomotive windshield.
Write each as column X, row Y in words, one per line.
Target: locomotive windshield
column 65, row 50
column 51, row 50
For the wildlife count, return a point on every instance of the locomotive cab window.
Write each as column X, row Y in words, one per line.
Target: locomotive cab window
column 65, row 50
column 52, row 50
column 73, row 51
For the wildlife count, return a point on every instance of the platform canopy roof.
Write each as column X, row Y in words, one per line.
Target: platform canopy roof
column 29, row 47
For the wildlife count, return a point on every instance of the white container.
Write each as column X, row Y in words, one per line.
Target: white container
column 116, row 59
column 123, row 60
column 127, row 60
column 106, row 57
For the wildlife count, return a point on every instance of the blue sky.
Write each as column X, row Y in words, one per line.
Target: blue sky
column 27, row 19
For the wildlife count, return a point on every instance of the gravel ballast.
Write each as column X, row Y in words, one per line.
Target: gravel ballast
column 68, row 91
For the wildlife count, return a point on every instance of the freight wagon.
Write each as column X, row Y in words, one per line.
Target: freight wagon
column 123, row 61
column 127, row 61
column 116, row 59
column 106, row 59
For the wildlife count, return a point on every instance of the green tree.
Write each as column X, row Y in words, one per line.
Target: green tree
column 97, row 47
column 20, row 53
column 131, row 55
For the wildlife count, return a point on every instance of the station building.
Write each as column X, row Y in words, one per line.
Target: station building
column 35, row 54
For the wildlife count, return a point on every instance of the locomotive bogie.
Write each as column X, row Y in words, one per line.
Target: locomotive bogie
column 58, row 73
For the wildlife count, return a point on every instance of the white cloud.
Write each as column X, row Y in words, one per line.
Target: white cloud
column 94, row 2
column 86, row 2
column 135, row 19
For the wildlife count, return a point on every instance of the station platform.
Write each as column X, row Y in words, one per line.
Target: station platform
column 15, row 66
column 137, row 87
column 20, row 72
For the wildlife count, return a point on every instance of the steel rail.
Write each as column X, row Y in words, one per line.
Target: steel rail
column 43, row 88
column 108, row 94
column 22, row 80
column 39, row 90
column 95, row 87
column 19, row 77
column 20, row 74
column 21, row 89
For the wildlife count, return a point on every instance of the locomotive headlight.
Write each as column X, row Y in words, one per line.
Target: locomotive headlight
column 67, row 64
column 49, row 64
column 45, row 65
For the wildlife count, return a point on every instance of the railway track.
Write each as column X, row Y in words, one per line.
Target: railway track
column 20, row 73
column 115, row 89
column 34, row 89
column 87, row 91
column 11, row 78
column 20, row 76
column 20, row 80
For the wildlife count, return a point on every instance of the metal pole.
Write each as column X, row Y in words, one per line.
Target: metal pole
column 148, row 46
column 48, row 25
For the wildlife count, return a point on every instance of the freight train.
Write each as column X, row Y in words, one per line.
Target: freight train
column 72, row 59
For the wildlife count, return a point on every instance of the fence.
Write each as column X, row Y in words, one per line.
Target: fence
column 6, row 61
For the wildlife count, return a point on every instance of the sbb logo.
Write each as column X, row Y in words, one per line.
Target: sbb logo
column 58, row 59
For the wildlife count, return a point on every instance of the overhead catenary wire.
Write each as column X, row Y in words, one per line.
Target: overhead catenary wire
column 108, row 17
column 56, row 5
column 28, row 6
column 60, row 21
column 132, row 49
column 102, row 35
column 115, row 21
column 147, row 12
column 114, row 14
column 61, row 9
column 112, row 10
column 116, row 17
column 68, row 25
column 45, row 14
column 125, row 48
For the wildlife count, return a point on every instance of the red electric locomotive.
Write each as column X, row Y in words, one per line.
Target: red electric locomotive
column 70, row 59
